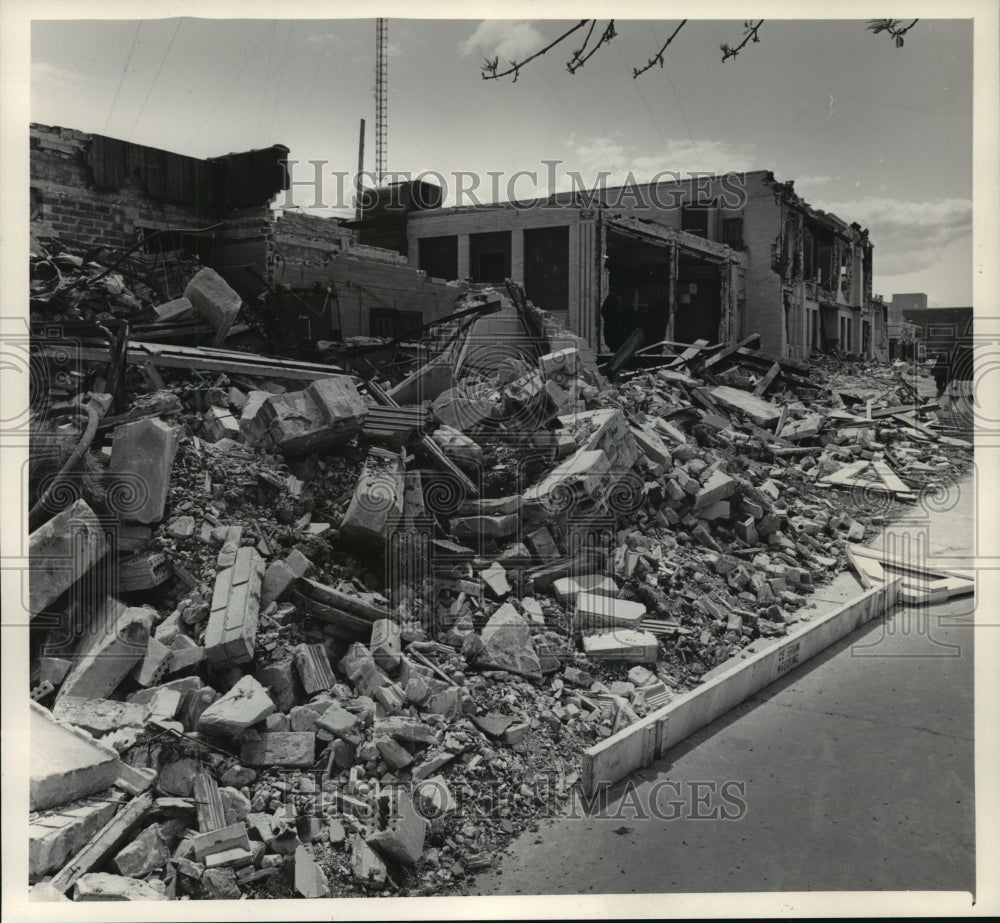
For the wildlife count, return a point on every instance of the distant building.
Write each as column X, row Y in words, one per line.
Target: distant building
column 717, row 258
column 943, row 332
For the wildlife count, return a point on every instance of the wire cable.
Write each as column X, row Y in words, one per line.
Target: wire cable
column 121, row 79
column 231, row 85
column 159, row 70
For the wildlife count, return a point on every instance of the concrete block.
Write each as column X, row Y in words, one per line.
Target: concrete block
column 143, row 855
column 717, row 487
column 568, row 588
column 337, row 720
column 621, row 644
column 281, row 575
column 217, row 423
column 507, row 643
column 105, row 658
column 718, row 510
column 386, row 643
column 460, row 410
column 231, row 633
column 43, row 891
column 60, row 552
column 762, row 412
column 219, row 884
column 313, row 666
column 103, row 886
column 142, row 459
column 98, row 716
column 154, row 666
column 405, row 729
column 310, row 879
column 594, row 611
column 65, row 763
column 215, row 301
column 367, row 866
column 280, row 748
column 279, row 680
column 402, row 839
column 55, row 836
column 327, row 413
column 458, row 447
column 243, row 706
column 393, row 753
column 376, row 508
column 563, row 365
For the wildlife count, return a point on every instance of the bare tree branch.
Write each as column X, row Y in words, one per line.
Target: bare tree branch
column 658, row 57
column 750, row 35
column 894, row 27
column 576, row 62
column 490, row 65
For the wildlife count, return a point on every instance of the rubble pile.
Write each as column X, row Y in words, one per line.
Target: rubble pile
column 347, row 636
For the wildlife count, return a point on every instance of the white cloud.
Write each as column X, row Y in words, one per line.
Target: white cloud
column 506, row 39
column 52, row 76
column 908, row 236
column 813, row 180
column 595, row 154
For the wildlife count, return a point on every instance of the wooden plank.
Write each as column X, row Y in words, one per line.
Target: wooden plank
column 617, row 756
column 727, row 351
column 911, row 568
column 869, row 571
column 207, row 360
column 773, row 372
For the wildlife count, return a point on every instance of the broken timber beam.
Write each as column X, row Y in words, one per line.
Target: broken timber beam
column 645, row 741
column 728, row 351
column 772, row 373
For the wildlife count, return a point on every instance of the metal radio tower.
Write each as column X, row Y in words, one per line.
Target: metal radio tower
column 381, row 95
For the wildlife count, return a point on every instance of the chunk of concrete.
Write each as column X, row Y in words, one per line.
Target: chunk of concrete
column 214, row 300
column 280, row 748
column 43, row 891
column 718, row 486
column 243, row 706
column 376, row 508
column 621, row 644
column 55, row 836
column 367, row 866
column 143, row 855
column 310, row 879
column 103, row 886
column 327, row 413
column 313, row 666
column 402, row 838
column 385, row 643
column 98, row 716
column 279, row 680
column 594, row 611
column 60, row 552
column 105, row 658
column 142, row 458
column 567, row 589
column 231, row 633
column 507, row 643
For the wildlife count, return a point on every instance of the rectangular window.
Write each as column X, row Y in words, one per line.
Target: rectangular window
column 438, row 256
column 941, row 331
column 392, row 322
column 489, row 256
column 694, row 219
column 732, row 232
column 546, row 267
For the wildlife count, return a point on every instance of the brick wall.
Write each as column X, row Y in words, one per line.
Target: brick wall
column 67, row 205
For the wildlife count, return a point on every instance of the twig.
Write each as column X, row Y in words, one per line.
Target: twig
column 490, row 66
column 576, row 62
column 893, row 27
column 750, row 35
column 658, row 57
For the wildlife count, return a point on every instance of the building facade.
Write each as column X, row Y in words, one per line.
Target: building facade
column 717, row 257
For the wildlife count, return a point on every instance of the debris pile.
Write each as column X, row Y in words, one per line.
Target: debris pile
column 333, row 635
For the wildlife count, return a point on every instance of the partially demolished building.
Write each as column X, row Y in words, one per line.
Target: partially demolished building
column 327, row 620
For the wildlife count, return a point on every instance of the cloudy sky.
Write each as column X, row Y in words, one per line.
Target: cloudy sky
column 879, row 135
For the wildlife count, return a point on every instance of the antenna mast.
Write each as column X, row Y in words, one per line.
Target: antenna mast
column 381, row 95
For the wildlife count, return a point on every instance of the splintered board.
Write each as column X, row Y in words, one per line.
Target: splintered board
column 647, row 740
